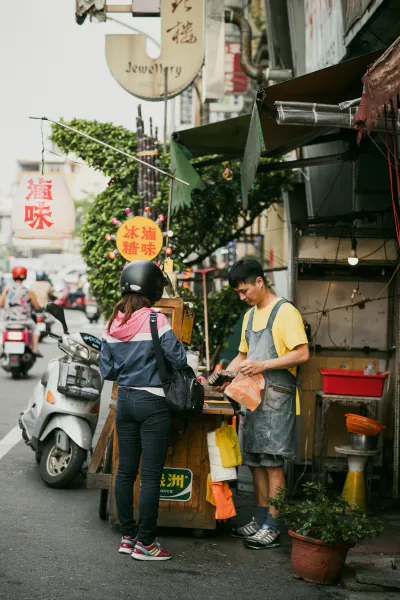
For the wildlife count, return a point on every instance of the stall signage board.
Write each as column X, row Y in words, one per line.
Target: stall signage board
column 176, row 484
column 182, row 41
column 139, row 239
column 43, row 208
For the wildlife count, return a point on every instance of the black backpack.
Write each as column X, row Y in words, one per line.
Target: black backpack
column 184, row 394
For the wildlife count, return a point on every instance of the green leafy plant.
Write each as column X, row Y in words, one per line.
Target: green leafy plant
column 319, row 517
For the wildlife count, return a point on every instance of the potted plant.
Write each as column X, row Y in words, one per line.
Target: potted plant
column 323, row 531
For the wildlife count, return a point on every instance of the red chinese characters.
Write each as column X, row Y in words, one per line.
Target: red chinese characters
column 38, row 216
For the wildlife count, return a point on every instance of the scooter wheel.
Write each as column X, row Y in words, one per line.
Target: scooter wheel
column 58, row 468
column 16, row 373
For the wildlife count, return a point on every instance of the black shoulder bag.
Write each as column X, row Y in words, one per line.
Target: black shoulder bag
column 184, row 394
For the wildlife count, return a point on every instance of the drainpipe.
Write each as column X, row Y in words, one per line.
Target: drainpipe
column 261, row 74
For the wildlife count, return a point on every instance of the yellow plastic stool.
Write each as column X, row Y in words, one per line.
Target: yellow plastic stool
column 354, row 487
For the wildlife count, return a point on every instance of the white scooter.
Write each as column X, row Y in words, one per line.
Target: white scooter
column 63, row 411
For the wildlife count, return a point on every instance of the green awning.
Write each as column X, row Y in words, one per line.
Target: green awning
column 181, row 166
column 239, row 137
column 227, row 138
column 254, row 148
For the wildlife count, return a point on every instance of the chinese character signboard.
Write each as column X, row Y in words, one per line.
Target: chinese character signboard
column 176, row 485
column 324, row 34
column 236, row 82
column 182, row 33
column 139, row 239
column 43, row 208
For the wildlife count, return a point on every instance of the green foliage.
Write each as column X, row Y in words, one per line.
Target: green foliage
column 208, row 224
column 320, row 517
column 224, row 310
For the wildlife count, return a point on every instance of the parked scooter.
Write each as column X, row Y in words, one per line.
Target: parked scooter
column 17, row 357
column 63, row 411
column 93, row 311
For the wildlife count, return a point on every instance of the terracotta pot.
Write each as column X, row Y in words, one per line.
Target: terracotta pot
column 315, row 561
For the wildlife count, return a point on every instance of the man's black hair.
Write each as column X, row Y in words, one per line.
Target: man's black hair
column 245, row 271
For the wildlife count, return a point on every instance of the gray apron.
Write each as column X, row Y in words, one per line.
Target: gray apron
column 270, row 429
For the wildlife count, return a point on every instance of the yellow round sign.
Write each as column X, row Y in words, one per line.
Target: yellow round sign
column 139, row 239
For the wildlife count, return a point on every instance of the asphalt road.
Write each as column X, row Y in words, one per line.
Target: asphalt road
column 53, row 546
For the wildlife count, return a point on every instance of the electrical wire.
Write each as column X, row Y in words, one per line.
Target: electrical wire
column 83, row 164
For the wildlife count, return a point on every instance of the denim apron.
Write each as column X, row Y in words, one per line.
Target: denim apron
column 270, row 429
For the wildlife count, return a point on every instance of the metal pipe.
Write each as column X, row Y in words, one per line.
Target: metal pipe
column 93, row 139
column 246, row 62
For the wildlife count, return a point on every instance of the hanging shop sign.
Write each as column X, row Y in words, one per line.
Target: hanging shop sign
column 43, row 208
column 236, row 81
column 324, row 34
column 139, row 238
column 176, row 485
column 182, row 32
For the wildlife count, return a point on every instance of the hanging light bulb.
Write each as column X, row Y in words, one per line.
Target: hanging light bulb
column 108, row 237
column 160, row 219
column 116, row 221
column 168, row 251
column 128, row 210
column 353, row 258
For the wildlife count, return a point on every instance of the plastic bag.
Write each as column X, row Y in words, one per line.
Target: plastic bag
column 246, row 390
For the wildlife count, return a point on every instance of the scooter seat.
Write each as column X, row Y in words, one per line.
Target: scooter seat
column 17, row 326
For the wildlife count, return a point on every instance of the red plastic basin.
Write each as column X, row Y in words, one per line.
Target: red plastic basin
column 343, row 382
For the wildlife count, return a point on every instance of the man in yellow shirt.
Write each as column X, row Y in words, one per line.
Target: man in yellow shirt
column 273, row 343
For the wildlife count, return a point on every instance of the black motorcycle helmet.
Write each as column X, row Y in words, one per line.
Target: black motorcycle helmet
column 142, row 277
column 41, row 276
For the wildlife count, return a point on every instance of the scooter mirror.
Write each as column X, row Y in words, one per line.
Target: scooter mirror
column 58, row 313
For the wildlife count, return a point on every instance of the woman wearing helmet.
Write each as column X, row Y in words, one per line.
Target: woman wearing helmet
column 18, row 301
column 143, row 418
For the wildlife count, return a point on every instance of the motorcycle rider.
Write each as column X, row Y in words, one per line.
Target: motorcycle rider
column 42, row 289
column 18, row 301
column 143, row 417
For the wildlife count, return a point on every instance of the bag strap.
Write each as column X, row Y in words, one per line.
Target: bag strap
column 157, row 349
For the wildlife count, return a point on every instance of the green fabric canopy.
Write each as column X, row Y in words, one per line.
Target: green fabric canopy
column 181, row 167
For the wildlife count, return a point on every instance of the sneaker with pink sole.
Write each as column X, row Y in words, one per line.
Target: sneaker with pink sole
column 153, row 552
column 127, row 544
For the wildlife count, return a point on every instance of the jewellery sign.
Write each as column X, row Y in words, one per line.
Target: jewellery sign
column 182, row 31
column 176, row 485
column 139, row 239
column 43, row 208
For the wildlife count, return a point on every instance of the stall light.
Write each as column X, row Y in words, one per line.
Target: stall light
column 128, row 210
column 353, row 258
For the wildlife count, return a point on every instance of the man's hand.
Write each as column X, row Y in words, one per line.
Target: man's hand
column 252, row 367
column 222, row 388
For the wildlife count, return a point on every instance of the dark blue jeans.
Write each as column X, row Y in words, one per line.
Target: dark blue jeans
column 144, row 427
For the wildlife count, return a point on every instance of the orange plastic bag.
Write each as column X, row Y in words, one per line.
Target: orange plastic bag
column 225, row 509
column 246, row 390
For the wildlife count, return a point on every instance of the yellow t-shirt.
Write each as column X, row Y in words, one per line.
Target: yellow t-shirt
column 287, row 331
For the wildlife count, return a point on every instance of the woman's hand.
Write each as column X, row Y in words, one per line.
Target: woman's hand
column 252, row 367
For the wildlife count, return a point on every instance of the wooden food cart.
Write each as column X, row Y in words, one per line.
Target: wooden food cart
column 184, row 481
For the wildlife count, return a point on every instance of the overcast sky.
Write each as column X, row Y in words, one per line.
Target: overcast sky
column 50, row 66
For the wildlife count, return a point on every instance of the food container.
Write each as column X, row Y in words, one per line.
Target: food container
column 348, row 382
column 363, row 442
column 363, row 425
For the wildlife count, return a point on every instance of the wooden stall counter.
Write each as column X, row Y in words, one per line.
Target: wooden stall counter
column 184, row 482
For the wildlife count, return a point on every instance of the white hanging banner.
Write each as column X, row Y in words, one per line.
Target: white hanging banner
column 182, row 33
column 43, row 208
